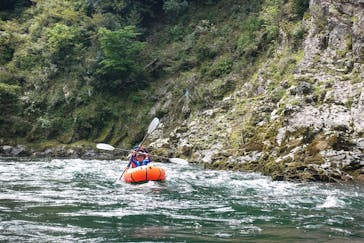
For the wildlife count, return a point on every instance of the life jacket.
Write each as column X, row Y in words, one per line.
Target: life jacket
column 135, row 163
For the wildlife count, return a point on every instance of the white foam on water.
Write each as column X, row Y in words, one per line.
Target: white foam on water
column 313, row 226
column 224, row 209
column 109, row 214
column 251, row 229
column 222, row 201
column 342, row 231
column 331, row 202
column 222, row 235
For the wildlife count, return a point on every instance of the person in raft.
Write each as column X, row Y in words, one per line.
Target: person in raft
column 139, row 157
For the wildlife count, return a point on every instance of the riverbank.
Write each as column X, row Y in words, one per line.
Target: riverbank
column 84, row 151
column 291, row 172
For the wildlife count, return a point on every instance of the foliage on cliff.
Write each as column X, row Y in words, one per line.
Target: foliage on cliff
column 92, row 70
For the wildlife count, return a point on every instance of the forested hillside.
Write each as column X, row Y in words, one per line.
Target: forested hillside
column 75, row 70
column 268, row 85
column 82, row 70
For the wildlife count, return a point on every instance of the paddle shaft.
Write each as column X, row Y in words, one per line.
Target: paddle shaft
column 141, row 144
column 109, row 147
column 155, row 156
column 126, row 168
column 152, row 126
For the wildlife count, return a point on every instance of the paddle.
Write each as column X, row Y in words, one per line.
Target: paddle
column 152, row 126
column 109, row 147
column 126, row 168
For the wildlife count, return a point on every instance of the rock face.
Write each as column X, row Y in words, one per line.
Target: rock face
column 334, row 65
column 310, row 127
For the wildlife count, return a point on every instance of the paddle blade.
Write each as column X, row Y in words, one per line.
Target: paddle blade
column 153, row 125
column 178, row 161
column 105, row 146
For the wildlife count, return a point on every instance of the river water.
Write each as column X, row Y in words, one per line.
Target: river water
column 64, row 200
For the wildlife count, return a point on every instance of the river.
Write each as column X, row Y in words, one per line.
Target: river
column 74, row 200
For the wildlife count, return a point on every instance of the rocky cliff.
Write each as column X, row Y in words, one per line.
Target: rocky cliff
column 298, row 116
column 274, row 86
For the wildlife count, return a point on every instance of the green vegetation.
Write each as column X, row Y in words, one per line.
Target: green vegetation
column 87, row 70
column 9, row 107
column 120, row 64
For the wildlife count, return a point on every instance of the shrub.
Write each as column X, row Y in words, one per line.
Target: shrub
column 218, row 69
column 7, row 77
column 9, row 5
column 175, row 7
column 8, row 94
column 299, row 7
column 176, row 33
column 205, row 52
column 120, row 62
column 271, row 15
column 6, row 51
column 8, row 103
column 248, row 43
column 298, row 35
column 62, row 37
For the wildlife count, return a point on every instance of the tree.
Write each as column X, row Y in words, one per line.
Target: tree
column 8, row 106
column 120, row 62
column 175, row 6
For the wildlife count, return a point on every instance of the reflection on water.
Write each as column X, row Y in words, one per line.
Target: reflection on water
column 80, row 200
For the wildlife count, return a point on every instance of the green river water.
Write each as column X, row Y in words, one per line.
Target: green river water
column 64, row 200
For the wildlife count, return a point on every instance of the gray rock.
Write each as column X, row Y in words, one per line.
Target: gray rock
column 304, row 88
column 7, row 149
column 20, row 150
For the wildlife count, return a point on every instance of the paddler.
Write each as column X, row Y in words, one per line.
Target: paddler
column 139, row 157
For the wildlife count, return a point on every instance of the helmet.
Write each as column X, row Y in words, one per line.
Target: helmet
column 136, row 147
column 140, row 154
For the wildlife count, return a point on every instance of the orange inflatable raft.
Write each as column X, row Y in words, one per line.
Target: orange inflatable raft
column 144, row 173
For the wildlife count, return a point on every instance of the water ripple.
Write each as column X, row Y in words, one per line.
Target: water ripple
column 65, row 200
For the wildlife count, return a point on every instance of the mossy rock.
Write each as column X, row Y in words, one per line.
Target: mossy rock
column 106, row 134
column 163, row 152
column 277, row 176
column 296, row 166
column 359, row 178
column 307, row 176
column 253, row 146
column 272, row 167
column 66, row 137
column 223, row 87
